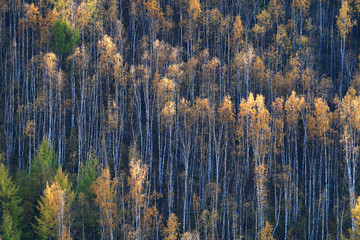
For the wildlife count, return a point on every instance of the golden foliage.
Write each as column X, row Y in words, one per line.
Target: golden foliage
column 293, row 106
column 237, row 32
column 282, row 37
column 50, row 63
column 266, row 232
column 349, row 109
column 118, row 69
column 30, row 128
column 137, row 180
column 112, row 115
column 54, row 208
column 190, row 236
column 194, row 9
column 264, row 22
column 154, row 10
column 150, row 221
column 33, row 16
column 108, row 56
column 356, row 4
column 302, row 5
column 168, row 112
column 259, row 71
column 276, row 10
column 254, row 119
column 84, row 13
column 260, row 121
column 344, row 22
column 293, row 73
column 245, row 58
column 323, row 117
column 104, row 190
column 355, row 214
column 226, row 110
column 165, row 87
column 171, row 232
column 46, row 25
column 49, row 208
column 324, row 87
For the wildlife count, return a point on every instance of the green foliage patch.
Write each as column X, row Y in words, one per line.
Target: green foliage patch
column 64, row 37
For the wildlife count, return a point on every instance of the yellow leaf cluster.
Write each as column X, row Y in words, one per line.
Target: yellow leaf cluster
column 54, row 208
column 171, row 232
column 355, row 213
column 168, row 112
column 259, row 70
column 30, row 128
column 323, row 117
column 293, row 106
column 302, row 5
column 33, row 16
column 85, row 12
column 254, row 119
column 194, row 9
column 137, row 180
column 237, row 32
column 264, row 22
column 266, row 232
column 226, row 110
column 344, row 22
column 276, row 10
column 50, row 63
column 154, row 10
column 104, row 190
column 107, row 50
column 350, row 110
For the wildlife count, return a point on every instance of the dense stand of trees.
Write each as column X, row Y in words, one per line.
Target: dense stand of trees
column 191, row 119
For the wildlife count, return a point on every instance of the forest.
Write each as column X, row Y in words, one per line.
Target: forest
column 179, row 119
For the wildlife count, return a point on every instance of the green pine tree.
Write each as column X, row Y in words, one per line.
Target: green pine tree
column 10, row 207
column 42, row 171
column 44, row 166
column 86, row 211
column 64, row 37
column 8, row 228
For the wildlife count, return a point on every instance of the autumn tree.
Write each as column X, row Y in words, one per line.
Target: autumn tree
column 262, row 26
column 254, row 122
column 165, row 96
column 186, row 115
column 266, row 232
column 344, row 23
column 54, row 209
column 104, row 190
column 171, row 231
column 156, row 17
column 355, row 214
column 237, row 34
column 349, row 114
column 293, row 107
column 194, row 11
column 137, row 194
column 204, row 91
